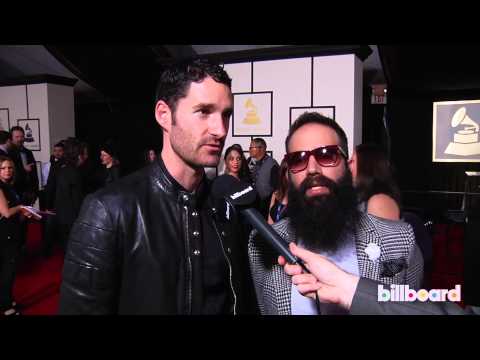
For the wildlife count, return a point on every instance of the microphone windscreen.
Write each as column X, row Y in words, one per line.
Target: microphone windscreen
column 237, row 192
column 222, row 185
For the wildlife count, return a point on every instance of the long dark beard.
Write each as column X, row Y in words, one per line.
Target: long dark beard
column 322, row 221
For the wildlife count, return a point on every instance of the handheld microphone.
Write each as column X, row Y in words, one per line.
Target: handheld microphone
column 240, row 197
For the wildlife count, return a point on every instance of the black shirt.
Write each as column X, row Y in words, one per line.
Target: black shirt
column 211, row 292
column 215, row 272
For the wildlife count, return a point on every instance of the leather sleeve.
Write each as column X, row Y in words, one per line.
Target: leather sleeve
column 90, row 276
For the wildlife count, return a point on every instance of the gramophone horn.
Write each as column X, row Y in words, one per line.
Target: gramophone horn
column 458, row 116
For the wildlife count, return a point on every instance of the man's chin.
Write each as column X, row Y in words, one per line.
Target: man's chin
column 211, row 161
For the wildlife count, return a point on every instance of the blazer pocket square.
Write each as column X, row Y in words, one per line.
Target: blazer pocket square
column 392, row 267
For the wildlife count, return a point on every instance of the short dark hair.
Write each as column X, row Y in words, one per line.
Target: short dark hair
column 16, row 128
column 4, row 137
column 59, row 144
column 316, row 118
column 175, row 81
column 110, row 147
column 260, row 142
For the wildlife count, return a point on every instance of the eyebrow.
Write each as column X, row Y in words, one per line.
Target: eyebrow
column 204, row 106
column 211, row 107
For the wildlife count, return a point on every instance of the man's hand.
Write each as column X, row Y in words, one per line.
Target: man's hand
column 29, row 167
column 330, row 283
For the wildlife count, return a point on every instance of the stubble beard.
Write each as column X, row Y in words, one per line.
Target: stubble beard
column 191, row 151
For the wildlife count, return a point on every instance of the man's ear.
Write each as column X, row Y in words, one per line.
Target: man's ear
column 163, row 115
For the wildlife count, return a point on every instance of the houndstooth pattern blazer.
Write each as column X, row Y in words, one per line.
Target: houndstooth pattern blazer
column 395, row 239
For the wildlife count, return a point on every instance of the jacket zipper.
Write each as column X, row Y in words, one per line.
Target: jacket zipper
column 230, row 270
column 189, row 264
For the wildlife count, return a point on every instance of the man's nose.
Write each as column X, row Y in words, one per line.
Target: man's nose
column 218, row 126
column 313, row 167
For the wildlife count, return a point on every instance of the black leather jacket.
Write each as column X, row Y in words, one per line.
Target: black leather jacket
column 130, row 251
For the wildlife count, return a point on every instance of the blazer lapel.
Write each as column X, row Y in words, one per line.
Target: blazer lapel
column 365, row 234
column 283, row 282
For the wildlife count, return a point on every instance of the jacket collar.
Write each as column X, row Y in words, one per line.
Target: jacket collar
column 168, row 184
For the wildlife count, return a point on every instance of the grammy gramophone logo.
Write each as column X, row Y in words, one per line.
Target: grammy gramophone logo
column 465, row 139
column 28, row 134
column 252, row 116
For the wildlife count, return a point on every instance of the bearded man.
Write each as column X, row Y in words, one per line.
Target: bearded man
column 324, row 218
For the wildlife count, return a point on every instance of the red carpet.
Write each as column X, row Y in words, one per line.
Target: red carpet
column 448, row 257
column 38, row 279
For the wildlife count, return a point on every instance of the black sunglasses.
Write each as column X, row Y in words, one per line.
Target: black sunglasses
column 327, row 156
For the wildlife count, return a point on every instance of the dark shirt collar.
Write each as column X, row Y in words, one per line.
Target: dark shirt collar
column 192, row 197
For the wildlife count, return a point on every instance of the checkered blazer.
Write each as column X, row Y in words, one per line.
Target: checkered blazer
column 399, row 254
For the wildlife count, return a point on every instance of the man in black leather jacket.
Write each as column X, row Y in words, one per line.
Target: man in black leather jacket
column 153, row 242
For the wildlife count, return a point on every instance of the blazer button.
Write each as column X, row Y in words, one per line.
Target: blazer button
column 185, row 197
column 229, row 250
column 224, row 233
column 194, row 214
column 196, row 252
column 196, row 233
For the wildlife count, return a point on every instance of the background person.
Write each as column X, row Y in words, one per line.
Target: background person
column 264, row 173
column 10, row 234
column 110, row 162
column 279, row 201
column 372, row 176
